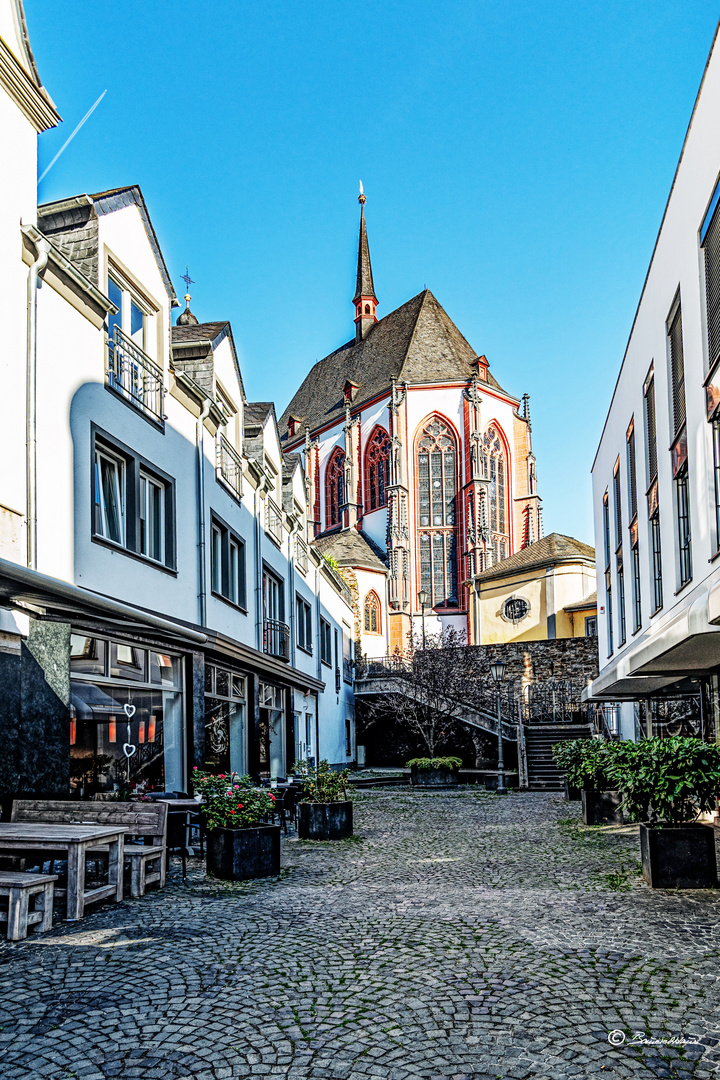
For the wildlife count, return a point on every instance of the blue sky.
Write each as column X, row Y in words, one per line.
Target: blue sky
column 516, row 158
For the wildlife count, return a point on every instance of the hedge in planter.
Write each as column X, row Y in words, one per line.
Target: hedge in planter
column 324, row 811
column 666, row 784
column 240, row 846
column 585, row 764
column 434, row 771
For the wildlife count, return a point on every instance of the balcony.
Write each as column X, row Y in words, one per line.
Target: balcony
column 276, row 639
column 228, row 465
column 273, row 520
column 301, row 554
column 132, row 374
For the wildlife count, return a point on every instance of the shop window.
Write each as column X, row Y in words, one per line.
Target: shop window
column 272, row 731
column 225, row 728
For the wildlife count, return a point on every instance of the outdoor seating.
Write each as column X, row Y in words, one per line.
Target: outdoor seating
column 143, row 821
column 20, row 889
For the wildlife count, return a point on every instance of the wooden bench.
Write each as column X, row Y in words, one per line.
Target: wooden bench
column 20, row 888
column 142, row 821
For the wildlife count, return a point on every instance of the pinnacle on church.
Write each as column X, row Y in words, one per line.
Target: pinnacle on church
column 364, row 299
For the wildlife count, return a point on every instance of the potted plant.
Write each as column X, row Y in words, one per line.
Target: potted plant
column 434, row 771
column 585, row 764
column 324, row 811
column 666, row 784
column 240, row 844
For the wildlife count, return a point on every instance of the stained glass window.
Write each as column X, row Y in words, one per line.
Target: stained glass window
column 371, row 618
column 437, row 529
column 334, row 488
column 377, row 469
column 496, row 471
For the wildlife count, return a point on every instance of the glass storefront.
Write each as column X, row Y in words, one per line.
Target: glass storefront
column 272, row 731
column 225, row 727
column 126, row 727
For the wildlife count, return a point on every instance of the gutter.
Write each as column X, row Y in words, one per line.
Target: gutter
column 36, row 270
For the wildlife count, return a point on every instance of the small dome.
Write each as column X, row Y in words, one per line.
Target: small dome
column 186, row 318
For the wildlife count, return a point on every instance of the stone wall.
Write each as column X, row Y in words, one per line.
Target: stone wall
column 529, row 662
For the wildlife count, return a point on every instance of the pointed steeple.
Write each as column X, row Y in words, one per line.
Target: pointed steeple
column 364, row 299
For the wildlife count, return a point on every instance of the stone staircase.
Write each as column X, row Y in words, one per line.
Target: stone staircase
column 543, row 773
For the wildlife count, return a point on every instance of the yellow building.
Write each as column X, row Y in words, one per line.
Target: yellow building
column 543, row 591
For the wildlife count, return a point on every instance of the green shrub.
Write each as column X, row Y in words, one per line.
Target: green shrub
column 231, row 801
column 434, row 763
column 669, row 780
column 322, row 785
column 585, row 762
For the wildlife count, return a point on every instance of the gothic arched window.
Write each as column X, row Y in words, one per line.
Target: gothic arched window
column 496, row 472
column 377, row 469
column 436, row 460
column 371, row 614
column 334, row 488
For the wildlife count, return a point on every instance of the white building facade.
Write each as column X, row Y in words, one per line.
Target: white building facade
column 151, row 530
column 656, row 476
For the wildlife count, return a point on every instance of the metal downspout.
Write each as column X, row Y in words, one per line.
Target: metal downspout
column 36, row 269
column 259, row 613
column 199, row 446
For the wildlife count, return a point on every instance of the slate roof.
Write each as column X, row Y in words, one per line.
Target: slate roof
column 209, row 331
column 552, row 549
column 416, row 343
column 588, row 602
column 72, row 225
column 352, row 548
column 256, row 411
column 364, row 282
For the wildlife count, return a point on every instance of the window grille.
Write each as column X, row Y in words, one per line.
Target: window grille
column 657, row 561
column 683, row 525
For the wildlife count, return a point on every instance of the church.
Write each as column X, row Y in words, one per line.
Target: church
column 418, row 465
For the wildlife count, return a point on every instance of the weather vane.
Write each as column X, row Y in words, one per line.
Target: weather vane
column 187, row 279
column 361, row 196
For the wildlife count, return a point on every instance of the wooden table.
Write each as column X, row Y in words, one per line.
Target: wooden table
column 16, row 837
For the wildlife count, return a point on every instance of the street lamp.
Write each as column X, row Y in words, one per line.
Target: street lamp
column 497, row 670
column 423, row 598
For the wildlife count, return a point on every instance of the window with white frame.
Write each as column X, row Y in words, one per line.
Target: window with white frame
column 109, row 496
column 131, row 317
column 227, row 563
column 325, row 642
column 152, row 517
column 303, row 620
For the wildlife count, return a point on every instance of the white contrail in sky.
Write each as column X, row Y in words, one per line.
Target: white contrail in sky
column 70, row 139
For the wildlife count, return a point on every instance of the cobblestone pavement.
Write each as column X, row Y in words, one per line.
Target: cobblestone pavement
column 461, row 935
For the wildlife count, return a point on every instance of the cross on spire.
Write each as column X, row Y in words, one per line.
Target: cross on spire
column 187, row 279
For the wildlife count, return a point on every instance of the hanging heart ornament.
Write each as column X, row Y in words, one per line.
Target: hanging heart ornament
column 129, row 711
column 129, row 749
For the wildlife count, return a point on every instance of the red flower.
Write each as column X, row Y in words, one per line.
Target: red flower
column 239, row 807
column 195, row 768
column 232, row 811
column 221, row 776
column 273, row 798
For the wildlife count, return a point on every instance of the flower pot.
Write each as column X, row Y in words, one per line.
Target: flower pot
column 601, row 807
column 678, row 856
column 433, row 777
column 325, row 821
column 243, row 854
column 572, row 794
column 491, row 782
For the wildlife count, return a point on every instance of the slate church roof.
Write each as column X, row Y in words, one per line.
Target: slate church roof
column 352, row 547
column 416, row 343
column 549, row 551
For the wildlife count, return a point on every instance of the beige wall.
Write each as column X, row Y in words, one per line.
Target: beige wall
column 547, row 589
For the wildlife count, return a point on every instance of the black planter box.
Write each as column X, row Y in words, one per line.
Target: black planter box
column 433, row 777
column 678, row 856
column 601, row 808
column 243, row 854
column 572, row 794
column 491, row 782
column 325, row 821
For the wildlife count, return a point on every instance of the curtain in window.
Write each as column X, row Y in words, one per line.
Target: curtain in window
column 377, row 469
column 437, row 529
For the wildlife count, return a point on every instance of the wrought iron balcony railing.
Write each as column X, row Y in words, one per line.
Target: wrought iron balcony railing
column 229, row 465
column 301, row 554
column 133, row 375
column 347, row 670
column 276, row 639
column 273, row 520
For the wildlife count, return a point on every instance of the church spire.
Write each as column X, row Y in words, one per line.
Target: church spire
column 364, row 300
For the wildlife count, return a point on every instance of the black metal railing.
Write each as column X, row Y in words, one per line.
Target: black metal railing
column 132, row 374
column 229, row 465
column 347, row 670
column 276, row 639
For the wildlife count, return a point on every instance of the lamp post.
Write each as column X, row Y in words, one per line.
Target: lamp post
column 423, row 598
column 497, row 670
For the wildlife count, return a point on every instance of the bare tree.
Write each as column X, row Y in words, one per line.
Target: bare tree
column 435, row 675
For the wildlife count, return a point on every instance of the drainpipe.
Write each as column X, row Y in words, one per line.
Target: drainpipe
column 199, row 446
column 36, row 270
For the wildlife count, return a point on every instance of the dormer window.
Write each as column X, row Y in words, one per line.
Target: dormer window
column 349, row 391
column 482, row 366
column 293, row 423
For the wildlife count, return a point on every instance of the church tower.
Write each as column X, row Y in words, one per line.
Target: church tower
column 364, row 300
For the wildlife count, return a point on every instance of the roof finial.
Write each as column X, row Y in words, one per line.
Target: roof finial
column 187, row 318
column 361, row 196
